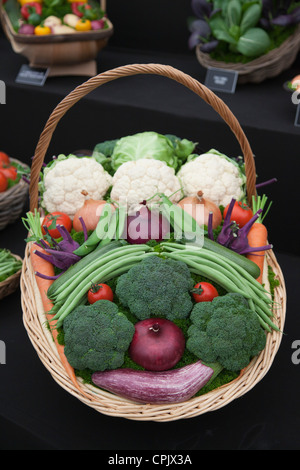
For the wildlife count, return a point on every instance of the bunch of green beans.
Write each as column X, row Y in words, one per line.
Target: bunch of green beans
column 9, row 265
column 227, row 274
column 114, row 263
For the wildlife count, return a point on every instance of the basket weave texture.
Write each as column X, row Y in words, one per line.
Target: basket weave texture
column 33, row 314
column 269, row 65
column 9, row 285
column 12, row 201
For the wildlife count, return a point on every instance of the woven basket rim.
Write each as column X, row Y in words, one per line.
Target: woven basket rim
column 290, row 45
column 115, row 406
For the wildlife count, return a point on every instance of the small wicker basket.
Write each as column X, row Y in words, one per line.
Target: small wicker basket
column 59, row 49
column 33, row 313
column 13, row 200
column 10, row 285
column 269, row 65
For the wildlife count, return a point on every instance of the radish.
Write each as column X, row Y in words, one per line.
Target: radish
column 171, row 386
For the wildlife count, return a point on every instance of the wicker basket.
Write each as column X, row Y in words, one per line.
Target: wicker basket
column 9, row 285
column 33, row 315
column 267, row 66
column 58, row 49
column 13, row 200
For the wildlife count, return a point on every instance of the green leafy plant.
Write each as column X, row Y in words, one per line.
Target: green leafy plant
column 236, row 24
column 241, row 30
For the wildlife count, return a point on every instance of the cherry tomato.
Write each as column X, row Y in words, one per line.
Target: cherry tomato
column 10, row 172
column 54, row 219
column 3, row 183
column 207, row 292
column 100, row 292
column 4, row 158
column 241, row 213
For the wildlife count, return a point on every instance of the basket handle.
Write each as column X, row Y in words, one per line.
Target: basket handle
column 129, row 70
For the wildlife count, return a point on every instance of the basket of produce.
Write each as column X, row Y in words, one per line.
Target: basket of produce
column 10, row 271
column 150, row 290
column 51, row 32
column 14, row 179
column 257, row 39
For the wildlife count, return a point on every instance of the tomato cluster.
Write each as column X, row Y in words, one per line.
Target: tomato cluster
column 7, row 171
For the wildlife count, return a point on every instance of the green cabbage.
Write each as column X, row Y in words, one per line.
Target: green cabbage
column 168, row 148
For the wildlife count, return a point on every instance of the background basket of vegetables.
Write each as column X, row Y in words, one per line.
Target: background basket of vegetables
column 94, row 355
column 10, row 271
column 14, row 179
column 257, row 39
column 56, row 32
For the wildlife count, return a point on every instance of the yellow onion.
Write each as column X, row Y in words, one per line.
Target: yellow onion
column 201, row 213
column 90, row 213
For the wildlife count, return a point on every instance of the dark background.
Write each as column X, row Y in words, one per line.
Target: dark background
column 35, row 413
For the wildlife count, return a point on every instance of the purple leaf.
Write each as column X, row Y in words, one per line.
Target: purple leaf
column 283, row 20
column 209, row 46
column 201, row 8
column 201, row 27
column 296, row 15
column 194, row 40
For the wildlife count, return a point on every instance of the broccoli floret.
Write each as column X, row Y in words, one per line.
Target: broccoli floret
column 225, row 330
column 97, row 336
column 157, row 287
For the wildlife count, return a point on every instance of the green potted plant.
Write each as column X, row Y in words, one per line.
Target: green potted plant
column 258, row 38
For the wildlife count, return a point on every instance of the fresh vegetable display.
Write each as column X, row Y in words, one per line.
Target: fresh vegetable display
column 52, row 17
column 9, row 264
column 151, row 267
column 239, row 30
column 11, row 172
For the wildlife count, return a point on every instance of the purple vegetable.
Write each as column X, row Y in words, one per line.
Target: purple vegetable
column 146, row 225
column 171, row 386
column 97, row 24
column 265, row 183
column 235, row 238
column 60, row 254
column 27, row 29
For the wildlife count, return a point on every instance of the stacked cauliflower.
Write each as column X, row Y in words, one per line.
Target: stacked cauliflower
column 69, row 181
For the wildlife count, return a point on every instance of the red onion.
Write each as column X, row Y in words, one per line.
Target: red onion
column 26, row 29
column 97, row 24
column 157, row 344
column 146, row 225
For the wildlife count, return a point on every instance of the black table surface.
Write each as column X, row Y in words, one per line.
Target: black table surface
column 35, row 413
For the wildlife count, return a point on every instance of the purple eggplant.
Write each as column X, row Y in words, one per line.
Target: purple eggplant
column 171, row 386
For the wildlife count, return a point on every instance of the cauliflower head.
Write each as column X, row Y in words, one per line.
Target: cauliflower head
column 139, row 180
column 217, row 176
column 69, row 181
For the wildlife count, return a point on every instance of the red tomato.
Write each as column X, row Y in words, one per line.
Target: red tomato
column 241, row 213
column 209, row 292
column 100, row 292
column 54, row 219
column 4, row 158
column 3, row 183
column 10, row 172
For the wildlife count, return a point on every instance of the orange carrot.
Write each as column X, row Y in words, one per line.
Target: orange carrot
column 258, row 236
column 45, row 267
